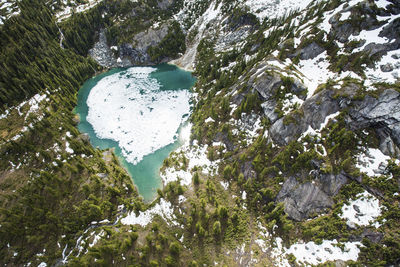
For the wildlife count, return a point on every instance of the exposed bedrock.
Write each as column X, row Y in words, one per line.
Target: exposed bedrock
column 303, row 200
column 128, row 54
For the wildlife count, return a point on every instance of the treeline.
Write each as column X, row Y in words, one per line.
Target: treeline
column 130, row 18
column 58, row 194
column 169, row 47
column 31, row 58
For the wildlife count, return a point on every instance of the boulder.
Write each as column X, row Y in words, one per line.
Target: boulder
column 331, row 183
column 373, row 236
column 303, row 200
column 382, row 113
column 310, row 51
column 388, row 67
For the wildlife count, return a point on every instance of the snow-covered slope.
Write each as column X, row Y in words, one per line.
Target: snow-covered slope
column 70, row 7
column 267, row 9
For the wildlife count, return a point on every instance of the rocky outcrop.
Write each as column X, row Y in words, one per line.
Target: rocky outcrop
column 342, row 30
column 267, row 84
column 128, row 54
column 303, row 200
column 309, row 52
column 103, row 54
column 314, row 109
column 382, row 114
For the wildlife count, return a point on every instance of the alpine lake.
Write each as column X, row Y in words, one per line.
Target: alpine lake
column 140, row 113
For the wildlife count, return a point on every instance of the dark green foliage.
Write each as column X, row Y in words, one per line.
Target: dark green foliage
column 31, row 58
column 170, row 46
column 79, row 31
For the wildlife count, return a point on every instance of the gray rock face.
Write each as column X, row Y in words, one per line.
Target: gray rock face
column 129, row 54
column 386, row 143
column 331, row 183
column 302, row 200
column 388, row 67
column 382, row 113
column 165, row 4
column 282, row 133
column 310, row 51
column 342, row 32
column 151, row 37
column 137, row 51
column 267, row 84
column 315, row 110
column 101, row 52
column 269, row 110
column 373, row 236
column 135, row 55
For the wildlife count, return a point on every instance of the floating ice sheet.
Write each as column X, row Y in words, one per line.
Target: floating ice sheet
column 131, row 108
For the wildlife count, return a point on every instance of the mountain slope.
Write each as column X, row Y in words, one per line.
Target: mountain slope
column 294, row 157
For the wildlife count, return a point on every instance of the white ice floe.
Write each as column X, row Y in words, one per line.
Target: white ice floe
column 372, row 162
column 311, row 253
column 164, row 209
column 361, row 211
column 131, row 108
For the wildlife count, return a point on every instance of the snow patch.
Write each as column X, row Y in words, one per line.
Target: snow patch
column 196, row 156
column 267, row 9
column 311, row 253
column 361, row 211
column 373, row 162
column 164, row 209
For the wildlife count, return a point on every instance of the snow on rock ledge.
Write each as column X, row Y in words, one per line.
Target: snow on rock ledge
column 196, row 157
column 373, row 162
column 311, row 253
column 362, row 211
column 164, row 209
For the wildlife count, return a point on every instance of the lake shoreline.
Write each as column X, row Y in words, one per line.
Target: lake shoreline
column 145, row 173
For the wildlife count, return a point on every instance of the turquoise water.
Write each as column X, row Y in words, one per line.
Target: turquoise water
column 145, row 174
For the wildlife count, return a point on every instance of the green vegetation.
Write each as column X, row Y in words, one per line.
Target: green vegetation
column 170, row 46
column 53, row 200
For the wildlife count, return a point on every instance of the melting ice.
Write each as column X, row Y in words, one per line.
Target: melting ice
column 131, row 108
